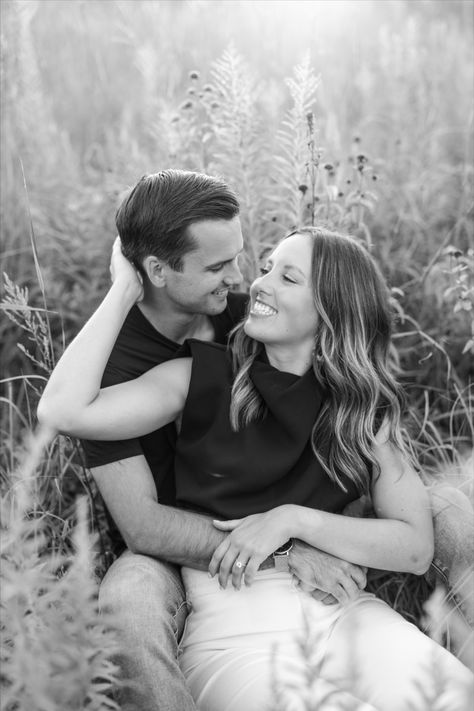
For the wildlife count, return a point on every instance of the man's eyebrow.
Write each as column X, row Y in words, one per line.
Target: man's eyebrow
column 217, row 264
column 223, row 261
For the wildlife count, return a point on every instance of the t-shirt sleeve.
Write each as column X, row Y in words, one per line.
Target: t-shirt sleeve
column 98, row 453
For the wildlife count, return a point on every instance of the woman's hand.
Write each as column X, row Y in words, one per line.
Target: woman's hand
column 121, row 270
column 250, row 541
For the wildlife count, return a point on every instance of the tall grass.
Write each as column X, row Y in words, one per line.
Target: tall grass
column 309, row 124
column 56, row 651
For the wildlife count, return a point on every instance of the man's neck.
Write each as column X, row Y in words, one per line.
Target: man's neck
column 177, row 326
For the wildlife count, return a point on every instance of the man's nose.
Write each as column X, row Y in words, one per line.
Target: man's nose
column 233, row 274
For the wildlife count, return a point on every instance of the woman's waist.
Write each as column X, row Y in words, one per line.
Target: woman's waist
column 201, row 582
column 273, row 605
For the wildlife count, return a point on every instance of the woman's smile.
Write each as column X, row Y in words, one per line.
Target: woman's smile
column 261, row 309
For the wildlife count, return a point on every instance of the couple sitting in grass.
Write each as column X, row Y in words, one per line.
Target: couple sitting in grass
column 296, row 417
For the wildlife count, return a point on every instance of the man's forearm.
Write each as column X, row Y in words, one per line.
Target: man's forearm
column 175, row 535
column 148, row 527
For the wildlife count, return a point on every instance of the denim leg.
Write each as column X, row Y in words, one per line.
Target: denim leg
column 146, row 599
column 453, row 518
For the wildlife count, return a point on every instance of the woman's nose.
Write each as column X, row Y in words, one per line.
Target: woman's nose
column 262, row 284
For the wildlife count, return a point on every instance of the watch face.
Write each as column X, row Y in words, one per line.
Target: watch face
column 285, row 548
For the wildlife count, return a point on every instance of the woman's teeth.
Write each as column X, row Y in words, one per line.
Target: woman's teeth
column 263, row 309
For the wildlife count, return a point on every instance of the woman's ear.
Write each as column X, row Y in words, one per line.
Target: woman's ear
column 155, row 270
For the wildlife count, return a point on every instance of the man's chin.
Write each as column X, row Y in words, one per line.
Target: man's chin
column 211, row 307
column 218, row 302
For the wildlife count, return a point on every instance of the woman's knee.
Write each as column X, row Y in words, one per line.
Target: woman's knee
column 394, row 662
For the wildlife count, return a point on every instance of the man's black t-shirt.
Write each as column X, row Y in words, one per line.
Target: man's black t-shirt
column 138, row 348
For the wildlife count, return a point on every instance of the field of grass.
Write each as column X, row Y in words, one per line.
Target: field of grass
column 354, row 114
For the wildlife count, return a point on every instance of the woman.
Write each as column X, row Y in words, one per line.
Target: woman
column 278, row 434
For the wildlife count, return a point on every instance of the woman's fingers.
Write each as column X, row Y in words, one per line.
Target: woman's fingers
column 239, row 569
column 217, row 557
column 226, row 525
column 121, row 267
column 226, row 567
column 251, row 571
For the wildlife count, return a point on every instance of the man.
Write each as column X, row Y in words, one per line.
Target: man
column 182, row 232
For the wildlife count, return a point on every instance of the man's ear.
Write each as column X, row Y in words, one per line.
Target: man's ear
column 155, row 269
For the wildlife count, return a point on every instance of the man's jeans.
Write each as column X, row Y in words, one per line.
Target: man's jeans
column 146, row 598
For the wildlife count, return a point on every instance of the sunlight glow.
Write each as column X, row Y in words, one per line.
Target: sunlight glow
column 326, row 12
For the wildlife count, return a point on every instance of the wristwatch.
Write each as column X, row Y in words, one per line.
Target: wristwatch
column 281, row 555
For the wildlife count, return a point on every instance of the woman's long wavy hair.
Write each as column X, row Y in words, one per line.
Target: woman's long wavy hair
column 353, row 361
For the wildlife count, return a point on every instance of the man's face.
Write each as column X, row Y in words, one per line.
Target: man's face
column 208, row 271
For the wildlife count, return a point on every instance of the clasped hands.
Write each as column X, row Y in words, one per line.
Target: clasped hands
column 253, row 538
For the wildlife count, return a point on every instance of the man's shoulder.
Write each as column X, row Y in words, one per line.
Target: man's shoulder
column 139, row 347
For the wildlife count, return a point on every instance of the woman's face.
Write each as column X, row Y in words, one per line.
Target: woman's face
column 282, row 311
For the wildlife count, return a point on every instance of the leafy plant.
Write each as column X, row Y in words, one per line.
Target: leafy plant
column 56, row 649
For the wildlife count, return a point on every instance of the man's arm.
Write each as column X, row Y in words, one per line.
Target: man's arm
column 187, row 538
column 148, row 527
column 328, row 578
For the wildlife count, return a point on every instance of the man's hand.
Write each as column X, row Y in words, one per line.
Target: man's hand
column 326, row 577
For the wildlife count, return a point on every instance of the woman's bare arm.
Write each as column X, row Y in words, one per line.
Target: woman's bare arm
column 73, row 401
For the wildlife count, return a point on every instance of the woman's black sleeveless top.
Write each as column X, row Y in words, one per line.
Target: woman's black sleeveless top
column 268, row 463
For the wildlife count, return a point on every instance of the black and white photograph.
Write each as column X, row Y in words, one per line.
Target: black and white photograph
column 237, row 340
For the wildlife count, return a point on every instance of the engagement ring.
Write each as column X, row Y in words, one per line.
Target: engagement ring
column 239, row 564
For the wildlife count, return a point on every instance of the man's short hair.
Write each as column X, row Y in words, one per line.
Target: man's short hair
column 154, row 217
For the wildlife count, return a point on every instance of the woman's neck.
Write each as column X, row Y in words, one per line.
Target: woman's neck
column 289, row 359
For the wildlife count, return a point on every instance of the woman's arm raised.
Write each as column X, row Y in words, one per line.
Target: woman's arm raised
column 400, row 539
column 73, row 401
